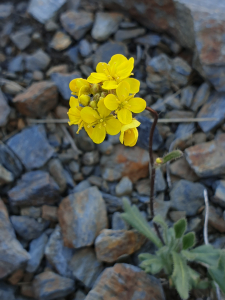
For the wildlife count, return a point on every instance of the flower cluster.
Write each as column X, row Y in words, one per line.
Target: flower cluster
column 104, row 103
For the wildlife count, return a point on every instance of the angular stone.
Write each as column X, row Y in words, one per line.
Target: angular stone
column 187, row 95
column 180, row 114
column 31, row 146
column 125, row 161
column 124, row 34
column 43, row 10
column 57, row 69
column 16, row 277
column 9, row 160
column 91, row 158
column 4, row 110
column 83, row 185
column 85, row 48
column 215, row 220
column 50, row 213
column 118, row 223
column 77, row 23
column 182, row 169
column 60, row 41
column 37, row 100
column 105, row 147
column 37, row 61
column 201, row 96
column 20, row 39
column 16, row 64
column 11, row 88
column 113, row 203
column 126, row 280
column 161, row 207
column 34, row 188
column 85, row 266
column 219, row 196
column 57, row 172
column 31, row 211
column 82, row 216
column 177, row 215
column 207, row 159
column 187, row 196
column 124, row 187
column 49, row 285
column 80, row 296
column 6, row 10
column 12, row 254
column 105, row 24
column 6, row 291
column 150, row 40
column 5, row 176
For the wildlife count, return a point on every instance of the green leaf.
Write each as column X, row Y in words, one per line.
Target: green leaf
column 194, row 277
column 133, row 217
column 181, row 276
column 144, row 256
column 180, row 227
column 153, row 265
column 175, row 154
column 218, row 273
column 159, row 220
column 188, row 240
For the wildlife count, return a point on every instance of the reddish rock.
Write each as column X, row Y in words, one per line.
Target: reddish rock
column 182, row 169
column 57, row 69
column 37, row 100
column 126, row 282
column 61, row 112
column 216, row 221
column 16, row 277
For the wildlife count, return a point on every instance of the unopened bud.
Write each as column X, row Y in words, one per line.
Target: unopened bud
column 95, row 88
column 96, row 97
column 93, row 104
column 84, row 100
column 104, row 94
column 159, row 160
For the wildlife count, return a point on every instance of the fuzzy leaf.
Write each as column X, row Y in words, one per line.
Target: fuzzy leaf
column 180, row 227
column 153, row 265
column 168, row 157
column 144, row 256
column 218, row 273
column 133, row 217
column 181, row 276
column 159, row 220
column 194, row 277
column 188, row 240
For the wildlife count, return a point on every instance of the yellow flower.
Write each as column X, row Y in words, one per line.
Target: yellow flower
column 83, row 95
column 76, row 84
column 102, row 121
column 117, row 70
column 129, row 133
column 124, row 104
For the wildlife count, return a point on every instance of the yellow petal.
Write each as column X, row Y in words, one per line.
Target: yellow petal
column 101, row 67
column 92, row 79
column 110, row 85
column 98, row 134
column 124, row 116
column 134, row 123
column 125, row 69
column 74, row 102
column 113, row 126
column 123, row 90
column 99, row 76
column 117, row 59
column 76, row 84
column 88, row 129
column 130, row 136
column 102, row 109
column 137, row 105
column 111, row 102
column 134, row 85
column 89, row 115
column 121, row 137
column 74, row 115
column 84, row 90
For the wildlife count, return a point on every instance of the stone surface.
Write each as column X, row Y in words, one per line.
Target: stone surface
column 124, row 187
column 60, row 41
column 118, row 223
column 16, row 64
column 91, row 158
column 187, row 95
column 201, row 96
column 219, row 196
column 9, row 160
column 112, row 244
column 12, row 254
column 31, row 211
column 4, row 109
column 6, row 291
column 123, row 34
column 77, row 23
column 182, row 169
column 37, row 100
column 207, row 159
column 48, row 285
column 57, row 69
column 81, row 186
column 82, row 216
column 128, row 281
column 31, row 146
column 50, row 213
column 150, row 40
column 105, row 24
column 85, row 48
column 34, row 188
column 6, row 10
column 125, row 161
column 20, row 39
column 37, row 61
column 43, row 10
column 57, row 172
column 215, row 220
column 5, row 176
column 113, row 203
column 187, row 196
column 80, row 296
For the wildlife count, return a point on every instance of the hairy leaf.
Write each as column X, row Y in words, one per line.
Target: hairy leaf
column 144, row 256
column 218, row 273
column 194, row 277
column 154, row 265
column 159, row 220
column 188, row 240
column 180, row 227
column 175, row 154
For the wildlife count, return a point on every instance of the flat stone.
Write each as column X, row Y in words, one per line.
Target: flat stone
column 77, row 23
column 124, row 34
column 4, row 110
column 31, row 211
column 150, row 40
column 187, row 95
column 31, row 146
column 161, row 207
column 11, row 87
column 177, row 215
column 187, row 196
column 85, row 48
column 85, row 266
column 57, row 69
column 105, row 24
column 105, row 147
column 62, row 82
column 82, row 216
column 34, row 188
column 125, row 161
column 180, row 72
column 179, row 114
column 6, row 291
column 215, row 220
column 219, row 196
column 182, row 169
column 91, row 158
column 37, row 100
column 126, row 280
column 9, row 160
column 201, row 96
column 113, row 203
column 82, row 186
column 49, row 285
column 112, row 244
column 5, row 176
column 118, row 223
column 39, row 60
column 60, row 41
column 50, row 213
column 20, row 39
column 57, row 172
column 207, row 159
column 73, row 54
column 43, row 10
column 80, row 296
column 12, row 255
column 124, row 187
column 185, row 131
column 16, row 64
column 16, row 277
column 6, row 10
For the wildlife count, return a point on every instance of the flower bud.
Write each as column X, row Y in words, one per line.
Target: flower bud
column 84, row 99
column 93, row 104
column 95, row 88
column 104, row 94
column 96, row 97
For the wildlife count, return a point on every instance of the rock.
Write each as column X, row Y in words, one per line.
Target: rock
column 85, row 266
column 9, row 160
column 113, row 203
column 207, row 159
column 4, row 109
column 91, row 158
column 187, row 196
column 219, row 196
column 201, row 96
column 49, row 285
column 6, row 291
column 112, row 244
column 82, row 216
column 5, row 176
column 105, row 147
column 82, row 186
column 28, row 228
column 37, row 100
column 195, row 224
column 16, row 277
column 80, row 296
column 51, row 26
column 31, row 211
column 125, row 161
column 36, row 251
column 57, row 172
column 38, row 76
column 57, row 69
column 105, row 24
column 20, row 39
column 184, row 131
column 199, row 138
column 126, row 280
column 124, row 187
column 215, row 220
column 107, row 50
column 34, row 188
column 214, row 108
column 77, row 23
column 37, row 61
column 6, row 10
column 150, row 40
column 73, row 54
column 11, row 88
column 144, row 131
column 180, row 114
column 160, row 183
column 12, row 255
column 16, row 64
column 124, row 34
column 50, row 213
column 118, row 223
column 85, row 48
column 177, row 215
column 43, row 10
column 60, row 41
column 161, row 207
column 180, row 72
column 187, row 95
column 74, row 166
column 62, row 82
column 182, row 169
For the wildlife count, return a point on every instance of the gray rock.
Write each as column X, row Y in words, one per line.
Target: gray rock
column 12, row 254
column 80, row 187
column 31, row 211
column 51, row 26
column 16, row 64
column 43, row 10
column 160, row 183
column 219, row 196
column 5, row 176
column 6, row 10
column 118, row 223
column 201, row 96
column 91, row 158
column 77, row 23
column 160, row 64
column 6, row 291
column 187, row 95
column 184, row 131
column 73, row 54
column 60, row 41
column 28, row 228
column 187, row 196
column 87, row 170
column 181, row 168
column 85, row 266
column 20, row 39
column 124, row 34
column 79, row 296
column 62, row 82
column 124, row 187
column 49, row 285
column 57, row 172
column 105, row 147
column 113, row 203
column 36, row 251
column 31, row 146
column 4, row 109
column 9, row 160
column 37, row 61
column 34, row 188
column 85, row 48
column 161, row 207
column 74, row 166
column 105, row 24
column 150, row 40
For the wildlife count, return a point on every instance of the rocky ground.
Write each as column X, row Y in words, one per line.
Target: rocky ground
column 60, row 207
